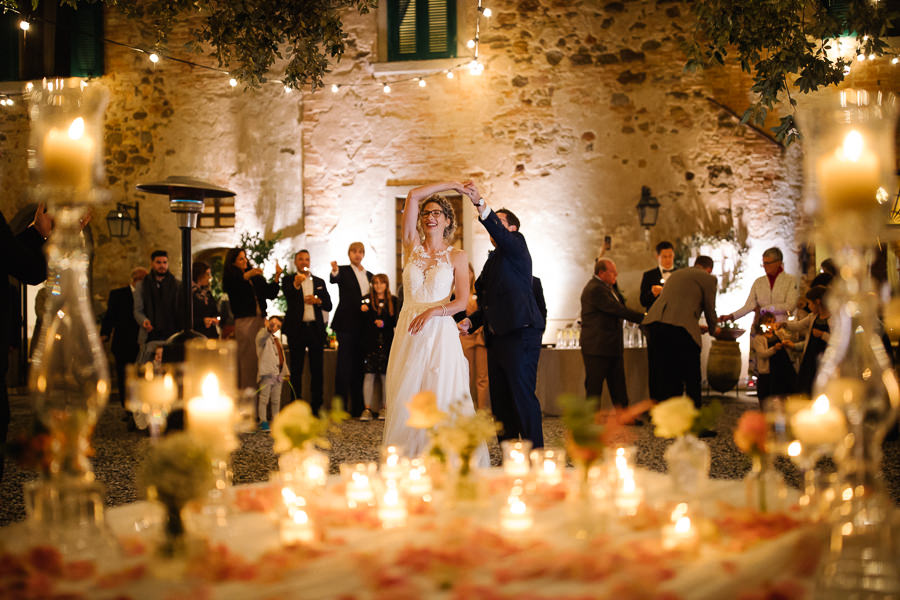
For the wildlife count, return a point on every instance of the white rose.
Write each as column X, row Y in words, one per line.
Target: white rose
column 673, row 417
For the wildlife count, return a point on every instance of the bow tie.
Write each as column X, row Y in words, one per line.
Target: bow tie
column 667, row 270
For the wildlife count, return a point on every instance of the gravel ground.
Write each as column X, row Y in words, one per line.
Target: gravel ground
column 118, row 453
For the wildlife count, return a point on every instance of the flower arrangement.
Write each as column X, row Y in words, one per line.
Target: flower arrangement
column 296, row 427
column 176, row 471
column 677, row 417
column 750, row 437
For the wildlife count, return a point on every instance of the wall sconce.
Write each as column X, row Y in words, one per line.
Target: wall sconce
column 120, row 219
column 648, row 209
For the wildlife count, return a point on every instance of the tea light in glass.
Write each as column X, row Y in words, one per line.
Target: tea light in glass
column 418, row 481
column 358, row 480
column 394, row 465
column 515, row 516
column 628, row 494
column 680, row 532
column 296, row 527
column 549, row 464
column 515, row 457
column 392, row 506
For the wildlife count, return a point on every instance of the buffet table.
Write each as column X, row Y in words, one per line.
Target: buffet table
column 444, row 551
column 561, row 371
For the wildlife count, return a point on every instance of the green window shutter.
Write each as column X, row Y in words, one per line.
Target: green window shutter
column 86, row 59
column 9, row 47
column 421, row 29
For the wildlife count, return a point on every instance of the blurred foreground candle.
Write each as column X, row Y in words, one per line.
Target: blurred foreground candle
column 394, row 465
column 515, row 515
column 210, row 417
column 849, row 176
column 549, row 464
column 418, row 481
column 392, row 507
column 628, row 495
column 68, row 155
column 819, row 424
column 680, row 533
column 296, row 527
column 515, row 457
column 358, row 481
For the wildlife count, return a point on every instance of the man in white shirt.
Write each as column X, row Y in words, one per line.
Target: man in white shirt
column 775, row 292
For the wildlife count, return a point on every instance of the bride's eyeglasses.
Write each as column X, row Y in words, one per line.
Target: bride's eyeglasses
column 432, row 213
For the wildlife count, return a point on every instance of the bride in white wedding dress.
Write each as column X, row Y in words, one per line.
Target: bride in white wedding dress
column 426, row 354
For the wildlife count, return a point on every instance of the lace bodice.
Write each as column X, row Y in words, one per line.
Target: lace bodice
column 427, row 279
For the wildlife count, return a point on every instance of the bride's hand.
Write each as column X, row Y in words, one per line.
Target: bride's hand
column 419, row 322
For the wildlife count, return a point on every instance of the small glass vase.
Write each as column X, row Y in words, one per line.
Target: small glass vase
column 304, row 469
column 764, row 488
column 464, row 484
column 688, row 462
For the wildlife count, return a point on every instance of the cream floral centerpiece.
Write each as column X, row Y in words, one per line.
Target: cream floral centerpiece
column 297, row 434
column 688, row 458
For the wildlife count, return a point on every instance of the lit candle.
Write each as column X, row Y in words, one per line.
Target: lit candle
column 210, row 417
column 628, row 495
column 549, row 464
column 392, row 508
column 849, row 176
column 394, row 466
column 358, row 483
column 679, row 533
column 297, row 526
column 515, row 457
column 418, row 481
column 515, row 515
column 819, row 424
column 68, row 155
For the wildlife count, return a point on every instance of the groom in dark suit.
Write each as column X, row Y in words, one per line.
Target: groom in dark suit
column 513, row 324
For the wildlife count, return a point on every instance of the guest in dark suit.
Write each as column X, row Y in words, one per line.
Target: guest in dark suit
column 653, row 280
column 247, row 291
column 539, row 298
column 304, row 326
column 205, row 309
column 513, row 324
column 353, row 281
column 156, row 306
column 673, row 344
column 602, row 346
column 118, row 322
column 24, row 260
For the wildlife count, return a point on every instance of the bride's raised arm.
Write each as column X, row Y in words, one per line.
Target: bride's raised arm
column 411, row 208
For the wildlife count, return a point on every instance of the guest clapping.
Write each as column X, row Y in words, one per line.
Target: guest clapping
column 352, row 281
column 379, row 310
column 247, row 291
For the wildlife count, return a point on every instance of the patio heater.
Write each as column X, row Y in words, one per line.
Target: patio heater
column 186, row 196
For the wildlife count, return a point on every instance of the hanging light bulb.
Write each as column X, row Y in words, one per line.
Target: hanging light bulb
column 386, row 89
column 335, row 87
column 24, row 25
column 287, row 89
column 449, row 74
column 470, row 44
column 847, row 70
column 895, row 60
column 487, row 13
column 154, row 57
column 860, row 57
column 476, row 68
column 422, row 82
column 871, row 57
column 232, row 82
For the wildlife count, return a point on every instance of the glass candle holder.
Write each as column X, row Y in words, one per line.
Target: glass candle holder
column 151, row 395
column 359, row 483
column 515, row 457
column 394, row 466
column 549, row 465
column 215, row 356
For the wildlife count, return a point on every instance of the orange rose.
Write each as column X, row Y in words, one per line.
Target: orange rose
column 750, row 434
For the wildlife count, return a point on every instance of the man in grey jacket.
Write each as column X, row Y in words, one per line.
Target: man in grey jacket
column 673, row 328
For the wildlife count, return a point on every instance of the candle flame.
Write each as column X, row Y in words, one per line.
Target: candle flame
column 76, row 129
column 517, row 507
column 853, row 146
column 683, row 525
column 821, row 405
column 210, row 386
column 300, row 517
column 680, row 511
column 391, row 497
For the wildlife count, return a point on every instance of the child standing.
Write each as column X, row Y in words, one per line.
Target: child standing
column 272, row 370
column 774, row 367
column 379, row 310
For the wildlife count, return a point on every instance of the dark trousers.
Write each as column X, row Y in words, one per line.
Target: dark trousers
column 307, row 339
column 512, row 377
column 4, row 422
column 673, row 359
column 611, row 369
column 348, row 375
column 122, row 359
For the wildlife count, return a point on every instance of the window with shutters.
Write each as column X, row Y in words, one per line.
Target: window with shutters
column 217, row 213
column 421, row 29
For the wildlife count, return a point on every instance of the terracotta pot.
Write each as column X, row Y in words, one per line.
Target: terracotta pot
column 723, row 365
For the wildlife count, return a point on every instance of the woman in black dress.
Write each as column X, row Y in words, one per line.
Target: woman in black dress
column 206, row 313
column 817, row 329
column 247, row 291
column 379, row 310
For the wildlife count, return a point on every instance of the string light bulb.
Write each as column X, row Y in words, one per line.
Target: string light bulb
column 334, row 88
column 895, row 60
column 846, row 70
column 860, row 57
column 232, row 82
column 470, row 44
column 871, row 57
column 487, row 13
column 154, row 57
column 422, row 82
column 476, row 68
column 24, row 25
column 386, row 89
column 288, row 89
column 449, row 74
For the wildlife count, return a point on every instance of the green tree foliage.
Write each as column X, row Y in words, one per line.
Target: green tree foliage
column 248, row 37
column 783, row 44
